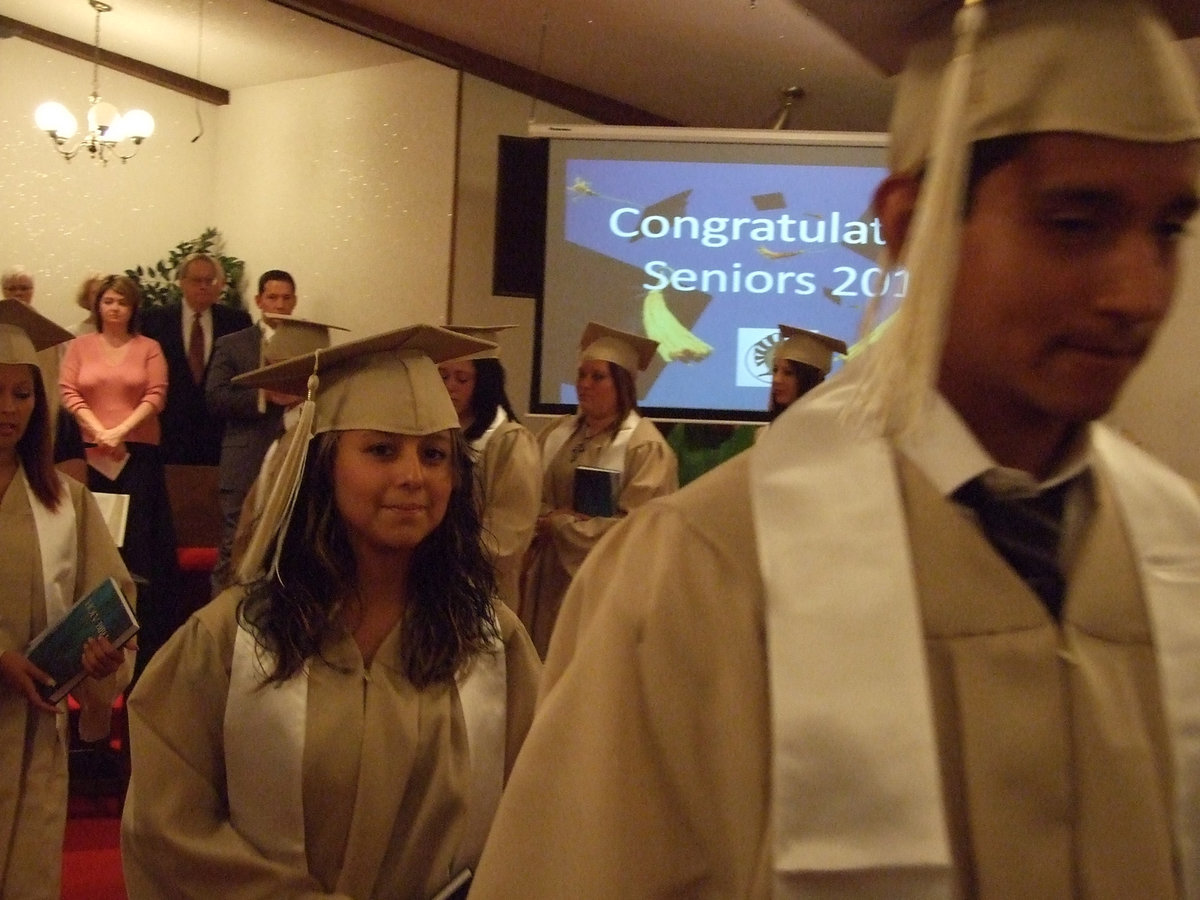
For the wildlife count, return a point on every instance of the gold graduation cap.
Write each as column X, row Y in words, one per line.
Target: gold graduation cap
column 632, row 352
column 296, row 336
column 486, row 333
column 23, row 332
column 1110, row 68
column 387, row 382
column 884, row 32
column 809, row 347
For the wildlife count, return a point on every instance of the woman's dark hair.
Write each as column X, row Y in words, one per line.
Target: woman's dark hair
column 626, row 391
column 451, row 582
column 807, row 377
column 127, row 288
column 35, row 451
column 488, row 396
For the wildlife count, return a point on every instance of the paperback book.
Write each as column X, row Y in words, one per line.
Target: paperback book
column 58, row 651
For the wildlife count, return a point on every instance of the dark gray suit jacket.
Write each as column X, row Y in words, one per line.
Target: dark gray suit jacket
column 248, row 432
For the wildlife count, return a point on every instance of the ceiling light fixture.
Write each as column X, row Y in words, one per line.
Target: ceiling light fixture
column 109, row 133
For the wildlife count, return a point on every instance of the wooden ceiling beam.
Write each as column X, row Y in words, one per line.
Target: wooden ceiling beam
column 586, row 103
column 116, row 62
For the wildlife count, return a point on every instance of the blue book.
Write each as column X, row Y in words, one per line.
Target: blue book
column 58, row 651
column 595, row 491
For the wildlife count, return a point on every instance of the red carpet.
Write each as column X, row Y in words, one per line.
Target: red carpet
column 92, row 860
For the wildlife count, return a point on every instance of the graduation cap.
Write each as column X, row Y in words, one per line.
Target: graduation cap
column 23, row 332
column 808, row 347
column 632, row 352
column 387, row 382
column 1109, row 68
column 485, row 333
column 884, row 32
column 295, row 336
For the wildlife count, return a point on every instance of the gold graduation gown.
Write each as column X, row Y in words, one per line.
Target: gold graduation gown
column 33, row 744
column 650, row 470
column 385, row 766
column 655, row 718
column 510, row 478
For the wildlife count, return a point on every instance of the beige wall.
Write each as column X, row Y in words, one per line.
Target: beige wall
column 487, row 112
column 376, row 189
column 60, row 219
column 346, row 182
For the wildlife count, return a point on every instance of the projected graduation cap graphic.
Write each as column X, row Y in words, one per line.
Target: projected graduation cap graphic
column 705, row 247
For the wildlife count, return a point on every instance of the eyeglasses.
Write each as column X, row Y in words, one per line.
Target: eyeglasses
column 191, row 279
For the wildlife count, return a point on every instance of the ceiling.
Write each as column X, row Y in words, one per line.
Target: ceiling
column 704, row 63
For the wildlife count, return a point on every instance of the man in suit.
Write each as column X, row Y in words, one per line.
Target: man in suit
column 252, row 418
column 187, row 332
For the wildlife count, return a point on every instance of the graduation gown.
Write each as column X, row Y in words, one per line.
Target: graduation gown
column 34, row 744
column 656, row 717
column 509, row 471
column 385, row 772
column 650, row 470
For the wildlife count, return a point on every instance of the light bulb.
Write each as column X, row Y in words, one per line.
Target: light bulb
column 101, row 115
column 55, row 119
column 138, row 123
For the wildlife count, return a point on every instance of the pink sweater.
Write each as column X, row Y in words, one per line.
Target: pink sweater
column 113, row 389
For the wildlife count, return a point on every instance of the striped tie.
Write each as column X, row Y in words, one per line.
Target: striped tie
column 1026, row 532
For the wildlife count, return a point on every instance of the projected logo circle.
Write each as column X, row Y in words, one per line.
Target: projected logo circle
column 759, row 356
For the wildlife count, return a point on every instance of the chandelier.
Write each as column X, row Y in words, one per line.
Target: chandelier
column 108, row 132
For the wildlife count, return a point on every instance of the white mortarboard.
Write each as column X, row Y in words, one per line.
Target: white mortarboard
column 809, row 347
column 295, row 336
column 387, row 382
column 486, row 333
column 24, row 331
column 632, row 352
column 1109, row 68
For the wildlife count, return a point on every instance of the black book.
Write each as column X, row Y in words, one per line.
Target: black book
column 58, row 651
column 595, row 491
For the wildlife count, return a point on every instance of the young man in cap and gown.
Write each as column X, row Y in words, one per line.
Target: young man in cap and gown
column 811, row 673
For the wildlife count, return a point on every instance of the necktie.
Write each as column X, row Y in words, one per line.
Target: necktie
column 195, row 350
column 1026, row 532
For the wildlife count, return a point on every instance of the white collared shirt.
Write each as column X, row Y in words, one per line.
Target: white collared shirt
column 947, row 452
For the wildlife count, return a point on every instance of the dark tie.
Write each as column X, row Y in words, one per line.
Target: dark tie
column 196, row 350
column 1026, row 532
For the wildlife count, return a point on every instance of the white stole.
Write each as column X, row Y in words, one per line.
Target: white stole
column 264, row 751
column 58, row 545
column 1162, row 514
column 611, row 457
column 843, row 615
column 845, row 648
column 480, row 443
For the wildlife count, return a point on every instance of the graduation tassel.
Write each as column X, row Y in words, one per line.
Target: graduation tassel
column 904, row 362
column 277, row 512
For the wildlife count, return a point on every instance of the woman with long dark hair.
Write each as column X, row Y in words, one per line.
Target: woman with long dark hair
column 353, row 707
column 57, row 549
column 507, row 464
column 606, row 432
column 800, row 361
